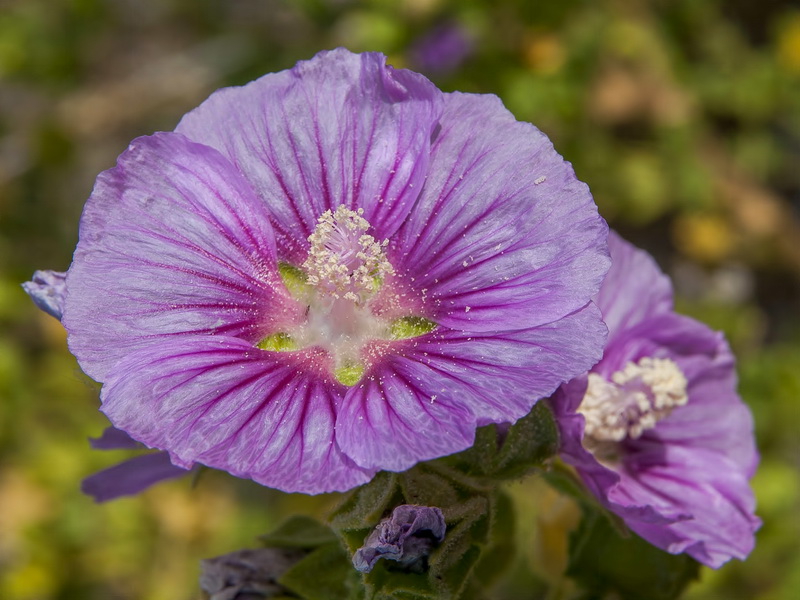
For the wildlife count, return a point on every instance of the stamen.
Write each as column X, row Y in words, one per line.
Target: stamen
column 635, row 400
column 343, row 261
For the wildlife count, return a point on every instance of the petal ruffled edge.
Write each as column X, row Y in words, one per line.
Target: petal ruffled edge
column 340, row 128
column 503, row 236
column 635, row 288
column 706, row 486
column 707, row 508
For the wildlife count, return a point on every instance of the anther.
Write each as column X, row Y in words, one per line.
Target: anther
column 635, row 400
column 344, row 261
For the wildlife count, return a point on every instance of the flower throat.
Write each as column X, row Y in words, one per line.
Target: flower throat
column 343, row 271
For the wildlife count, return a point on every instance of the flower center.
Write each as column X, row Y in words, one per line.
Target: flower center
column 636, row 398
column 344, row 270
column 344, row 261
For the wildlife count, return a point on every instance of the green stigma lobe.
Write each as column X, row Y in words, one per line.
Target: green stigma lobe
column 278, row 342
column 294, row 279
column 409, row 327
column 349, row 375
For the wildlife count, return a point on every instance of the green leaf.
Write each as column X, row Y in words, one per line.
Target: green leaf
column 384, row 583
column 529, row 443
column 526, row 446
column 364, row 507
column 464, row 486
column 468, row 528
column 602, row 561
column 477, row 460
column 470, row 507
column 497, row 557
column 299, row 531
column 421, row 486
column 324, row 574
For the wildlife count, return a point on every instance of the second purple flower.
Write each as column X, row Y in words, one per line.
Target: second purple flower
column 656, row 429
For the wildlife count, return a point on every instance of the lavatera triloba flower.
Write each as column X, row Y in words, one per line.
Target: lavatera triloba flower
column 330, row 271
column 656, row 429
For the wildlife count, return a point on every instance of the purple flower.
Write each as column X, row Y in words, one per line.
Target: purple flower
column 48, row 290
column 408, row 536
column 443, row 49
column 656, row 429
column 333, row 270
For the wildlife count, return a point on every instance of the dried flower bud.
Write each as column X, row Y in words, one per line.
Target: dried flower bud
column 247, row 574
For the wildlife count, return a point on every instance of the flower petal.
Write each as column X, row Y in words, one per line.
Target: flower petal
column 681, row 498
column 503, row 235
column 220, row 402
column 424, row 399
column 702, row 483
column 131, row 477
column 172, row 241
column 114, row 439
column 626, row 300
column 715, row 417
column 341, row 128
column 48, row 291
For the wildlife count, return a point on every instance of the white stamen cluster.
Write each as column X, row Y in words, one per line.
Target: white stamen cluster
column 636, row 398
column 344, row 261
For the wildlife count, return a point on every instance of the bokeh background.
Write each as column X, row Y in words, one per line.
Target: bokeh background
column 683, row 116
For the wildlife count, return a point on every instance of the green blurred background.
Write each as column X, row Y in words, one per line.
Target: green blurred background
column 683, row 116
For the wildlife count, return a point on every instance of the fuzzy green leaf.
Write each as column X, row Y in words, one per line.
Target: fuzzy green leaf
column 299, row 531
column 324, row 574
column 497, row 557
column 529, row 443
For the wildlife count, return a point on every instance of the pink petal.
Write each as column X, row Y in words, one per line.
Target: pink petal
column 635, row 288
column 172, row 241
column 220, row 402
column 341, row 128
column 425, row 396
column 503, row 236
